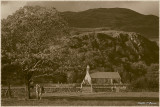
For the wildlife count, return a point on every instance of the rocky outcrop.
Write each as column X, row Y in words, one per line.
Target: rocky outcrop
column 129, row 45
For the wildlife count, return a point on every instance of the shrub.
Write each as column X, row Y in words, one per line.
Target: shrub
column 144, row 83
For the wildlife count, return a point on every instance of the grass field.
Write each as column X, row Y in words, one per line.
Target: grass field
column 47, row 100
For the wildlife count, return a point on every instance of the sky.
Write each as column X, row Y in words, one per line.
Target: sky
column 143, row 7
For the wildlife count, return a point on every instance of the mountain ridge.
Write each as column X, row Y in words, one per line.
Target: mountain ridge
column 115, row 18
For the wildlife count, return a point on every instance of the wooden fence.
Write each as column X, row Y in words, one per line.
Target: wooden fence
column 16, row 91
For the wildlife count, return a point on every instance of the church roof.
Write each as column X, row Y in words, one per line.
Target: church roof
column 105, row 75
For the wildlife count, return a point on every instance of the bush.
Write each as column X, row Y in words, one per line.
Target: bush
column 144, row 83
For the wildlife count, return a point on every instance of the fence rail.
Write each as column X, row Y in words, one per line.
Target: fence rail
column 66, row 88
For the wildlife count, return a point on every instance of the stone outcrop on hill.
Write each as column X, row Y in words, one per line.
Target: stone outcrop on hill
column 122, row 45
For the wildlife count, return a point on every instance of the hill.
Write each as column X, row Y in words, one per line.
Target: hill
column 114, row 18
column 112, row 44
column 118, row 51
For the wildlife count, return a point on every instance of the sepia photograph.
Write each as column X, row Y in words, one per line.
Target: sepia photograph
column 79, row 53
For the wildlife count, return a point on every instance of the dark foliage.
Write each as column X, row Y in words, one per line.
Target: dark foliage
column 128, row 53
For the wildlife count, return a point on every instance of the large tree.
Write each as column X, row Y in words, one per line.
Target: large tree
column 9, row 71
column 28, row 34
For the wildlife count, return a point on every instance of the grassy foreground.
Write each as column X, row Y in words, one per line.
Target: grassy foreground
column 46, row 102
column 96, row 102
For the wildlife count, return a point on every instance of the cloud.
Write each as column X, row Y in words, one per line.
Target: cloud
column 9, row 7
column 143, row 7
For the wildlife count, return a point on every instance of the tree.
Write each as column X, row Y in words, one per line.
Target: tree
column 33, row 66
column 139, row 69
column 28, row 33
column 9, row 71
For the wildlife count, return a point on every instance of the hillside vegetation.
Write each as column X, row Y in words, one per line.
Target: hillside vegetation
column 128, row 53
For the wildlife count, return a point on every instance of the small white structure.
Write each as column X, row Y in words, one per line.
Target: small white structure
column 87, row 80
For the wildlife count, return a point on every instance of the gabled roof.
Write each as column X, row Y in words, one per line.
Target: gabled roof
column 105, row 75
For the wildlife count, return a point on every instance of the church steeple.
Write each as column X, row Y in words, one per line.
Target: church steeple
column 87, row 78
column 87, row 70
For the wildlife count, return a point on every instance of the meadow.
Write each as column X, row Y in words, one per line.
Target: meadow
column 87, row 99
column 46, row 102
